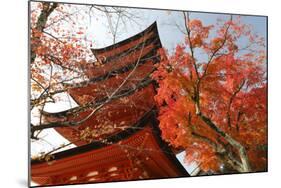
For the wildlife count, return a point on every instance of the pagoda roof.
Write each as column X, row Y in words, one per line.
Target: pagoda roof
column 132, row 60
column 122, row 93
column 141, row 144
column 99, row 144
column 113, row 117
column 122, row 57
column 97, row 91
column 134, row 148
column 111, row 51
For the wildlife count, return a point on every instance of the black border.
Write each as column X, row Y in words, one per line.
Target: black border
column 153, row 8
column 29, row 95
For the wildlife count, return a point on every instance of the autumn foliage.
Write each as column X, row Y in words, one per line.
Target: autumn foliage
column 212, row 97
column 212, row 94
column 57, row 49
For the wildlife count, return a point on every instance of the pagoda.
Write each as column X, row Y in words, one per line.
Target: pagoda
column 118, row 137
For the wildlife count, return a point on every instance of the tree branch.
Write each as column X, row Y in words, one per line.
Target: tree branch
column 48, row 8
column 97, row 106
column 231, row 101
column 186, row 22
column 217, row 49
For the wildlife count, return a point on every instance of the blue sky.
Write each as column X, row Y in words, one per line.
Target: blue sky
column 170, row 35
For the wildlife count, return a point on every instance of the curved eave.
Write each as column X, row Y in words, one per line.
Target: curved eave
column 149, row 117
column 96, row 145
column 145, row 82
column 153, row 26
column 151, row 55
column 115, row 71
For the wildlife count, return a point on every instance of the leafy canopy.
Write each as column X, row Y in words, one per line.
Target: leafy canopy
column 228, row 87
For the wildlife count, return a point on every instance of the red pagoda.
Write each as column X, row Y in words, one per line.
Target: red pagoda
column 118, row 138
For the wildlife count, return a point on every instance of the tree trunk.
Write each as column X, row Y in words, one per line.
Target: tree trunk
column 244, row 165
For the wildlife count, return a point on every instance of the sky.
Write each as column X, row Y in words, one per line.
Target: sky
column 169, row 33
column 98, row 33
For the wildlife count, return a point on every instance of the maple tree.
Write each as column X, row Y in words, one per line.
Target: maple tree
column 57, row 53
column 212, row 96
column 59, row 47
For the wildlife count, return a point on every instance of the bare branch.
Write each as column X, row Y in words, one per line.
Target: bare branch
column 186, row 22
column 97, row 106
